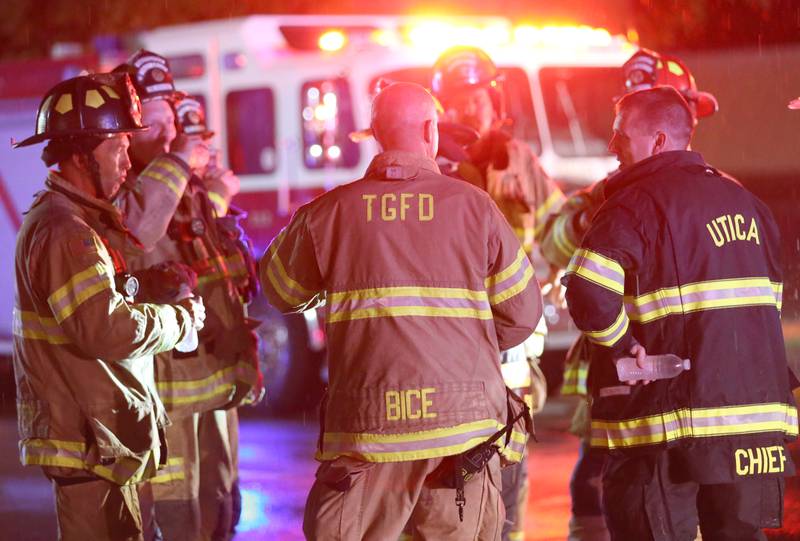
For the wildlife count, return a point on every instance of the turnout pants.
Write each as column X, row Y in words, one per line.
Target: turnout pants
column 515, row 499
column 99, row 510
column 354, row 500
column 642, row 500
column 193, row 494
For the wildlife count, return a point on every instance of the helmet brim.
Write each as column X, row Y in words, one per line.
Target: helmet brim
column 38, row 138
column 705, row 104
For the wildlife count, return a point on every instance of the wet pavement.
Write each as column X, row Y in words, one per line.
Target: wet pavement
column 277, row 469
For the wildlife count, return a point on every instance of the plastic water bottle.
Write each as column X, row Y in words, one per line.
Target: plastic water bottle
column 655, row 367
column 191, row 341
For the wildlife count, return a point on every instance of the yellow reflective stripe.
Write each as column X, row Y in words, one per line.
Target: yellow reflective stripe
column 436, row 433
column 173, row 471
column 396, row 311
column 408, row 291
column 509, row 271
column 75, row 294
column 518, row 287
column 165, row 386
column 170, row 166
column 599, row 269
column 166, row 180
column 283, row 288
column 29, row 325
column 72, row 454
column 219, row 202
column 677, row 300
column 403, row 456
column 549, row 203
column 612, row 334
column 561, row 238
column 681, row 423
column 526, row 236
column 777, row 288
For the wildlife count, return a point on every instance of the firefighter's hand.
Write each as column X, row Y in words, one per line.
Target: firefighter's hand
column 222, row 181
column 639, row 353
column 553, row 289
column 193, row 150
column 196, row 309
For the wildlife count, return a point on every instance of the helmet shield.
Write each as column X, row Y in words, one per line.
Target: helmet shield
column 191, row 118
column 151, row 76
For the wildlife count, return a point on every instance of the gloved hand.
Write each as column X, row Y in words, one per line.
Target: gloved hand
column 166, row 282
column 196, row 309
column 454, row 139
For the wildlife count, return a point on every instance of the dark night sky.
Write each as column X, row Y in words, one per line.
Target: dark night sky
column 29, row 27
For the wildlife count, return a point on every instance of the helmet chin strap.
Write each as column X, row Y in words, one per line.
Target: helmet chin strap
column 94, row 173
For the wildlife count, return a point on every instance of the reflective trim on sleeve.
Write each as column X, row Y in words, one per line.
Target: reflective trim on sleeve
column 378, row 447
column 73, row 454
column 561, row 238
column 408, row 301
column 777, row 289
column 695, row 423
column 287, row 287
column 598, row 269
column 30, row 326
column 176, row 393
column 708, row 295
column 81, row 287
column 555, row 199
column 611, row 335
column 219, row 203
column 160, row 172
column 511, row 280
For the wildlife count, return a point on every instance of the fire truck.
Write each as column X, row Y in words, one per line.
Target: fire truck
column 283, row 94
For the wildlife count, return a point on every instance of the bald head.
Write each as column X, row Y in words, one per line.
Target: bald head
column 404, row 118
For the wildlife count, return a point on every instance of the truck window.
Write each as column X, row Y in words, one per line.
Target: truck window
column 517, row 95
column 580, row 107
column 250, row 123
column 187, row 66
column 326, row 116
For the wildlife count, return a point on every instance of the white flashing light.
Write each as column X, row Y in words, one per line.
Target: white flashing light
column 315, row 151
column 324, row 112
column 332, row 40
column 562, row 36
column 329, row 99
column 334, row 152
column 437, row 35
column 308, row 114
column 313, row 93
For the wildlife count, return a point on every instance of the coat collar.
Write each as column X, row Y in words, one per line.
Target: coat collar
column 650, row 166
column 400, row 165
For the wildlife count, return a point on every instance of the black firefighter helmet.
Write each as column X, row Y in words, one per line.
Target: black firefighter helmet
column 151, row 76
column 88, row 106
column 463, row 67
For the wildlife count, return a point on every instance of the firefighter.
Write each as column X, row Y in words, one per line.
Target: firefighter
column 416, row 310
column 83, row 349
column 469, row 87
column 168, row 207
column 696, row 258
column 562, row 234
